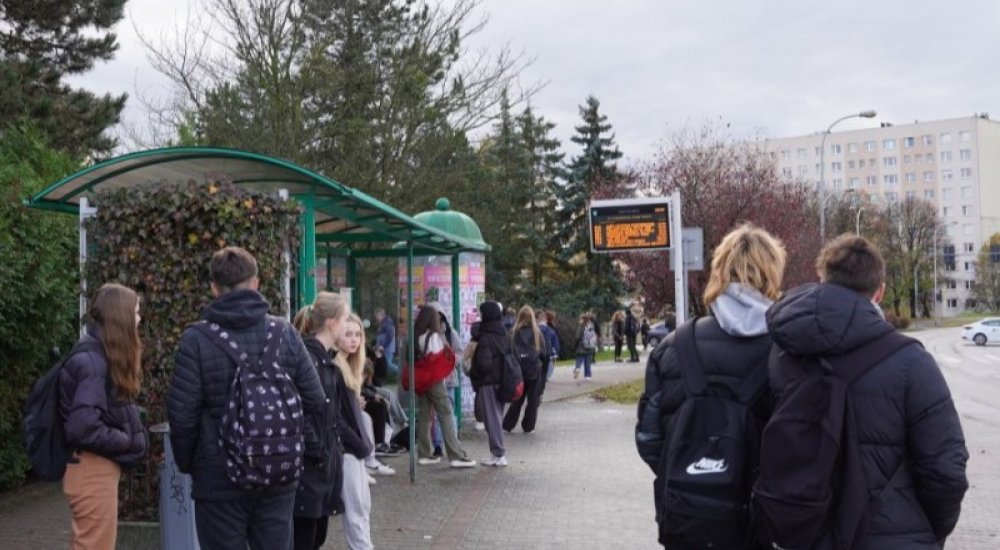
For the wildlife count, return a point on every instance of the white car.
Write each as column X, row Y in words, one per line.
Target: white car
column 981, row 332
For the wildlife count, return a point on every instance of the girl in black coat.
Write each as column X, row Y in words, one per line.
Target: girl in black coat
column 318, row 493
column 102, row 424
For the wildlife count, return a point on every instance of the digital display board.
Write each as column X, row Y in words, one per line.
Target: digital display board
column 629, row 224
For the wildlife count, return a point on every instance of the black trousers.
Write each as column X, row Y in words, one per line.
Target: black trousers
column 632, row 352
column 259, row 521
column 379, row 411
column 533, row 390
column 310, row 533
column 618, row 348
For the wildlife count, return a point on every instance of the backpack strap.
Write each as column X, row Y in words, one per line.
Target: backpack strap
column 689, row 360
column 232, row 349
column 852, row 365
column 753, row 385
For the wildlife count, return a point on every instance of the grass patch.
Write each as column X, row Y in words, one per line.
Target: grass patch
column 606, row 355
column 627, row 393
column 961, row 320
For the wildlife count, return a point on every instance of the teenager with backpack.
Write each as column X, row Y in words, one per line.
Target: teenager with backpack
column 588, row 340
column 532, row 349
column 97, row 386
column 546, row 323
column 882, row 465
column 318, row 495
column 706, row 399
column 486, row 375
column 631, row 332
column 239, row 501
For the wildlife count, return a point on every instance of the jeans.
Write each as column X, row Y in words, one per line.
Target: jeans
column 584, row 359
column 390, row 353
column 259, row 521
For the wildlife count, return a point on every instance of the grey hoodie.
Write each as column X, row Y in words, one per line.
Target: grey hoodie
column 740, row 310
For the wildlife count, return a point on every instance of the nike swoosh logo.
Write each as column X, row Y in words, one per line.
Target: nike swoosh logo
column 695, row 469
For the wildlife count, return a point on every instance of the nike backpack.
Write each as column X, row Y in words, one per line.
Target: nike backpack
column 527, row 357
column 710, row 457
column 261, row 431
column 812, row 484
column 511, row 379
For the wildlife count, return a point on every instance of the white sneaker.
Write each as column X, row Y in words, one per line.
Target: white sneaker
column 462, row 463
column 498, row 461
column 371, row 480
column 381, row 469
column 587, row 378
column 480, row 426
column 427, row 461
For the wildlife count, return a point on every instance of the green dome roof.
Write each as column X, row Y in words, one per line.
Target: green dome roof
column 452, row 221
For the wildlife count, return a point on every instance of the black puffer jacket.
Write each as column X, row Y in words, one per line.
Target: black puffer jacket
column 199, row 389
column 726, row 359
column 904, row 412
column 96, row 420
column 318, row 494
column 488, row 360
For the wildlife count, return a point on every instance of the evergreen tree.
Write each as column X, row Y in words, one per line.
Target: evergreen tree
column 544, row 161
column 42, row 42
column 595, row 277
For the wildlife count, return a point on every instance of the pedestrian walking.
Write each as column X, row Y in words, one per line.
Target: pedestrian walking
column 618, row 334
column 552, row 337
column 587, row 342
column 700, row 467
column 318, row 495
column 233, row 507
column 644, row 330
column 631, row 333
column 485, row 374
column 97, row 388
column 533, row 352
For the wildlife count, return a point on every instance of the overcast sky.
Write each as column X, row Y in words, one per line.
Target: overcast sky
column 775, row 68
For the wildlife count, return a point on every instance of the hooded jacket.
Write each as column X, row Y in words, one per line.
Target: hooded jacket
column 732, row 343
column 199, row 388
column 318, row 493
column 492, row 339
column 904, row 412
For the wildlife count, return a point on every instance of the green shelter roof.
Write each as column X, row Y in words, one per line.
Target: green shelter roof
column 343, row 215
column 451, row 221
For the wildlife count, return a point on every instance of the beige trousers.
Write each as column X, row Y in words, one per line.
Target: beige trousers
column 91, row 486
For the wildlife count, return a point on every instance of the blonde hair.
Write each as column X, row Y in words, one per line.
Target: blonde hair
column 352, row 367
column 526, row 318
column 748, row 255
column 327, row 305
column 113, row 309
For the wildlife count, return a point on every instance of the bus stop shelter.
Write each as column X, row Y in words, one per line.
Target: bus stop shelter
column 337, row 220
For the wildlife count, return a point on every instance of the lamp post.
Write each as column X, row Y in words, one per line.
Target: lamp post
column 937, row 308
column 822, row 168
column 857, row 222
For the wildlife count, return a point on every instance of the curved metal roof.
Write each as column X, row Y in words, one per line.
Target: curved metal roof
column 454, row 222
column 343, row 215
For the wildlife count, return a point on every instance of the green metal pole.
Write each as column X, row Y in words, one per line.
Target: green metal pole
column 412, row 409
column 307, row 255
column 352, row 283
column 456, row 322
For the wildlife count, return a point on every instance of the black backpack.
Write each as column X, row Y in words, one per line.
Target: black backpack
column 710, row 457
column 261, row 431
column 511, row 379
column 527, row 356
column 43, row 423
column 811, row 480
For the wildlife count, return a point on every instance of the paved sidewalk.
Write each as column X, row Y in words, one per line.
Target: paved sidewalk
column 575, row 483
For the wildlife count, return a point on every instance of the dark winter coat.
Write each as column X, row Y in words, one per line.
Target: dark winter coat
column 631, row 325
column 318, row 494
column 199, row 388
column 904, row 411
column 726, row 360
column 552, row 337
column 618, row 330
column 488, row 361
column 96, row 418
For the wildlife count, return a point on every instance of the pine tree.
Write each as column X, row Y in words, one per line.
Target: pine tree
column 544, row 161
column 595, row 275
column 42, row 42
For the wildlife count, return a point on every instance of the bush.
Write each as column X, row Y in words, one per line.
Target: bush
column 899, row 322
column 158, row 239
column 38, row 275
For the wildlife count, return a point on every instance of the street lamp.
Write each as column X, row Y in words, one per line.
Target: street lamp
column 822, row 168
column 857, row 222
column 937, row 307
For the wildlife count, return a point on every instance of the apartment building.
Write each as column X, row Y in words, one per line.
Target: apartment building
column 953, row 163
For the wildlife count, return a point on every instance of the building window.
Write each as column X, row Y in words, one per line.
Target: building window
column 945, row 137
column 947, row 175
column 970, row 266
column 851, row 164
column 911, row 195
column 818, row 151
column 836, row 149
column 872, row 181
column 890, row 179
column 803, row 170
column 861, row 163
column 853, row 183
column 952, row 284
column 969, row 247
column 802, row 153
column 852, row 147
column 965, row 154
column 787, row 172
column 946, row 193
column 927, row 139
column 952, row 303
column 908, row 142
column 945, row 211
column 969, row 285
column 928, row 176
column 965, row 173
column 837, row 166
column 870, row 146
column 890, row 196
column 889, row 162
column 786, row 154
column 773, row 156
column 929, row 158
column 965, row 135
column 966, row 192
column 945, row 156
column 948, row 256
column 838, row 183
column 928, row 194
column 888, row 144
column 911, row 177
column 966, row 209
